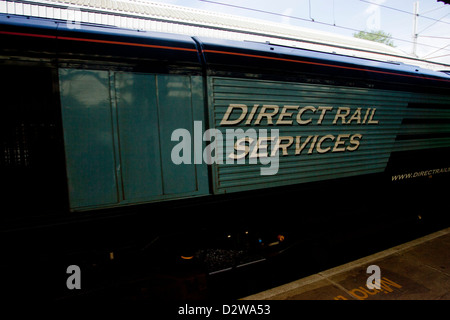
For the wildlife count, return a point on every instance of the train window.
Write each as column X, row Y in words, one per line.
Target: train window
column 32, row 163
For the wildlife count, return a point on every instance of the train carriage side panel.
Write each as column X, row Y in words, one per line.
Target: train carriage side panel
column 324, row 132
column 332, row 118
column 118, row 136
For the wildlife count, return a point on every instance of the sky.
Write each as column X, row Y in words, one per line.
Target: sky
column 345, row 16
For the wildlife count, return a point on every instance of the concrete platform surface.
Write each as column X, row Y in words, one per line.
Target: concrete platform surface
column 416, row 270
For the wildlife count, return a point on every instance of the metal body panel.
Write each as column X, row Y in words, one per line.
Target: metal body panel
column 175, row 94
column 117, row 131
column 88, row 137
column 118, row 124
column 340, row 132
column 139, row 135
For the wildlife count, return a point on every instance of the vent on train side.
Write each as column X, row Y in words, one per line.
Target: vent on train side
column 426, row 121
column 422, row 105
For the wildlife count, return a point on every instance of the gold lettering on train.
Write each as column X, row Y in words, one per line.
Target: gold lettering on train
column 295, row 115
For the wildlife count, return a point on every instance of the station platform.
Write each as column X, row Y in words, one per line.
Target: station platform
column 416, row 270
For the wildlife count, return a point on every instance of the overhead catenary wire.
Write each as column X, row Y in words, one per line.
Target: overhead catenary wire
column 444, row 55
column 436, row 37
column 443, row 48
column 317, row 21
column 433, row 24
column 403, row 11
column 438, row 8
column 421, row 16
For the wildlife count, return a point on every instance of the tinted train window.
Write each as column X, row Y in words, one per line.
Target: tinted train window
column 31, row 163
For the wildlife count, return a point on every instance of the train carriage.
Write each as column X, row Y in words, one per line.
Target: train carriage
column 147, row 133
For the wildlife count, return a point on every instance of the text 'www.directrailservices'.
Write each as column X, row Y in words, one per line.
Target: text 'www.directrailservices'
column 424, row 173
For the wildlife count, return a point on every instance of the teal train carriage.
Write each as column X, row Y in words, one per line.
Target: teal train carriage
column 115, row 138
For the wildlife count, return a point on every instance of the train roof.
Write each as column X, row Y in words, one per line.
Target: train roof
column 166, row 17
column 275, row 53
column 217, row 51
